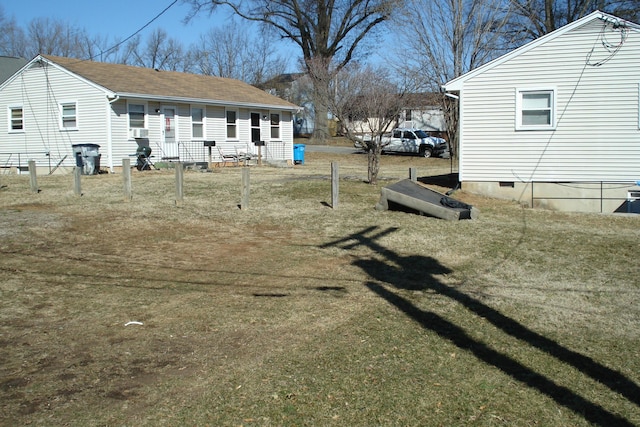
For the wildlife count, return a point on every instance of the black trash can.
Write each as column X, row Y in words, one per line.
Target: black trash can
column 87, row 158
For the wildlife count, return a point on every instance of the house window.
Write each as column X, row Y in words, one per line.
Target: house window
column 275, row 126
column 232, row 124
column 68, row 116
column 535, row 110
column 255, row 127
column 136, row 116
column 16, row 119
column 197, row 122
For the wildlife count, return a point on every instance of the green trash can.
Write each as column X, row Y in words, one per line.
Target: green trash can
column 298, row 154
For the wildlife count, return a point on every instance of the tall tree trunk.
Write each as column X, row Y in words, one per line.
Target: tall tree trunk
column 373, row 163
column 321, row 125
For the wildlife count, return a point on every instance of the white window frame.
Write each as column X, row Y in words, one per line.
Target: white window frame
column 521, row 92
column 273, row 127
column 10, row 119
column 61, row 124
column 233, row 125
column 201, row 123
column 145, row 114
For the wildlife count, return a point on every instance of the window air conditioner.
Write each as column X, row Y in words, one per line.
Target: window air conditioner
column 139, row 132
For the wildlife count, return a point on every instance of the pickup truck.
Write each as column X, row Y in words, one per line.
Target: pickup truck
column 412, row 141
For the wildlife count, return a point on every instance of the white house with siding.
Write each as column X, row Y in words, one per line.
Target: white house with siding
column 556, row 123
column 53, row 103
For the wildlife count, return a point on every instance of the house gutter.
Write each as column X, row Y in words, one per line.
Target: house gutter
column 109, row 133
column 218, row 102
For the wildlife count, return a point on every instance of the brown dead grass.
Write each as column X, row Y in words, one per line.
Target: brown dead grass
column 293, row 313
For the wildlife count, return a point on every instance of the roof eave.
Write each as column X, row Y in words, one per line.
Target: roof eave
column 457, row 83
column 178, row 99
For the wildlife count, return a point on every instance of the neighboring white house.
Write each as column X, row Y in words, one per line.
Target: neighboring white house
column 419, row 110
column 556, row 123
column 54, row 103
column 424, row 111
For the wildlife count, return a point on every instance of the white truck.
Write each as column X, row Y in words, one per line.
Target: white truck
column 412, row 141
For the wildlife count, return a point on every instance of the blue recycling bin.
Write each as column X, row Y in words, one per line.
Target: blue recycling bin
column 298, row 154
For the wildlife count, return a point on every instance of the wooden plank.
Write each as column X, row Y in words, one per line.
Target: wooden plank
column 411, row 195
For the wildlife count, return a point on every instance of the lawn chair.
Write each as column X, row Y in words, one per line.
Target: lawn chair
column 226, row 157
column 245, row 156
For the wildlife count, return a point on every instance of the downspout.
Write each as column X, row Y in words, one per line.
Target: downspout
column 109, row 133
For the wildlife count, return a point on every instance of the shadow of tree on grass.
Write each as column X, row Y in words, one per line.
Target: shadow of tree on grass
column 397, row 272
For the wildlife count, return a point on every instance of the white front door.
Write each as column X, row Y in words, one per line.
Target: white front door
column 169, row 142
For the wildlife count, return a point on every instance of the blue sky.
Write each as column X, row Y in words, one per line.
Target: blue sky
column 119, row 18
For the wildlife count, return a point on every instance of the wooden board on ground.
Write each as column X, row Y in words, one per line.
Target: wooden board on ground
column 429, row 202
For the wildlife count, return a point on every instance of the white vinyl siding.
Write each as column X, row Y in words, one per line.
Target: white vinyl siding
column 594, row 133
column 40, row 90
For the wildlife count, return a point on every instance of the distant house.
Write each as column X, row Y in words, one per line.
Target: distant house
column 419, row 110
column 53, row 103
column 296, row 88
column 423, row 111
column 556, row 122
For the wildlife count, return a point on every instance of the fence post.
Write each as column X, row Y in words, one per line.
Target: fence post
column 126, row 178
column 244, row 200
column 179, row 184
column 335, row 179
column 33, row 180
column 413, row 176
column 77, row 186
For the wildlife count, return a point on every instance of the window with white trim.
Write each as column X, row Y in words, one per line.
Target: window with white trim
column 16, row 118
column 136, row 115
column 275, row 126
column 68, row 116
column 232, row 124
column 197, row 122
column 535, row 109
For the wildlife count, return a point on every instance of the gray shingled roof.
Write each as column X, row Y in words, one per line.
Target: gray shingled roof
column 125, row 79
column 9, row 65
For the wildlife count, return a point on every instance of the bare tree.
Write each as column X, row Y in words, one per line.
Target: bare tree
column 12, row 37
column 231, row 52
column 532, row 19
column 449, row 38
column 160, row 52
column 329, row 31
column 366, row 102
column 54, row 37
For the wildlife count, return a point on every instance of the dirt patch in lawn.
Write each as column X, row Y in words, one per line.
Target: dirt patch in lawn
column 294, row 313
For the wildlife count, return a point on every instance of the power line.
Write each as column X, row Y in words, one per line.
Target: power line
column 137, row 32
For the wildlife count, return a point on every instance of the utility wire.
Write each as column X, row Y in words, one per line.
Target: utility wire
column 136, row 33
